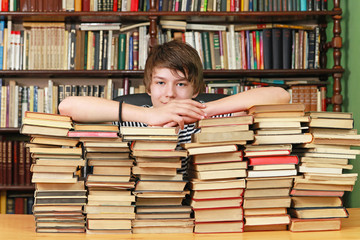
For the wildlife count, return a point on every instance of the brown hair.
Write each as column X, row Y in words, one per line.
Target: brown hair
column 177, row 56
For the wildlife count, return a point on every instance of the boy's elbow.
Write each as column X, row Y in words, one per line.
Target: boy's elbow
column 65, row 107
column 283, row 96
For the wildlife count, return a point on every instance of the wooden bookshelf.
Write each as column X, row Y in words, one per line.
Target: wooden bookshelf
column 17, row 188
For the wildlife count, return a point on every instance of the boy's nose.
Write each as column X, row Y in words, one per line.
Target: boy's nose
column 170, row 91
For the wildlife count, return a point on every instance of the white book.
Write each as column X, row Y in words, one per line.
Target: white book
column 231, row 39
column 46, row 102
column 124, row 5
column 11, row 5
column 198, row 45
column 70, row 5
column 17, row 50
column 11, row 52
column 99, row 26
column 50, row 96
column 63, row 5
column 189, row 38
column 272, row 173
column 41, row 100
column 183, row 5
column 205, row 27
column 304, row 169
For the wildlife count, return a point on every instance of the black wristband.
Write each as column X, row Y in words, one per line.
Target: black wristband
column 120, row 110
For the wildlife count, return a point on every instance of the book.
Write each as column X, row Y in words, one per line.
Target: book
column 309, row 225
column 212, row 149
column 219, row 227
column 52, row 140
column 153, row 185
column 274, row 182
column 219, row 214
column 41, row 130
column 267, row 220
column 153, row 145
column 235, row 120
column 216, row 203
column 96, row 127
column 153, row 131
column 319, row 212
column 47, row 116
column 271, row 173
column 315, row 201
column 219, row 166
column 268, row 202
column 283, row 139
column 223, row 136
column 159, row 153
column 271, row 192
column 94, row 134
column 223, row 157
column 274, row 160
column 276, row 108
column 197, row 184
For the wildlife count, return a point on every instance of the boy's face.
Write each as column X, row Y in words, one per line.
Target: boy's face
column 166, row 86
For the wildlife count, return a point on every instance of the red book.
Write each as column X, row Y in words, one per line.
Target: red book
column 115, row 6
column 92, row 134
column 5, row 6
column 9, row 156
column 4, row 162
column 15, row 169
column 19, row 205
column 296, row 192
column 273, row 160
column 21, row 163
column 232, row 5
column 27, row 166
column 134, row 5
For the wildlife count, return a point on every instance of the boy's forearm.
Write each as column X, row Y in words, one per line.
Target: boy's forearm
column 244, row 100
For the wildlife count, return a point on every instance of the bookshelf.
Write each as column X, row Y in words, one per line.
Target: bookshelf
column 322, row 18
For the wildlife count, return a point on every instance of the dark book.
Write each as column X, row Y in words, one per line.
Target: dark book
column 104, row 57
column 40, row 6
column 19, row 205
column 165, row 6
column 2, row 182
column 310, row 5
column 206, row 50
column 276, row 35
column 267, row 48
column 24, row 5
column 311, row 50
column 217, row 51
column 261, row 5
column 10, row 205
column 324, row 5
column 290, row 6
column 122, row 51
column 135, row 50
column 96, row 50
column 286, row 47
column 77, row 56
column 317, row 5
column 72, row 46
column 223, row 6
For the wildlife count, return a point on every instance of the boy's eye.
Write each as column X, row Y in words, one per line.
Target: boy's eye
column 160, row 82
column 181, row 84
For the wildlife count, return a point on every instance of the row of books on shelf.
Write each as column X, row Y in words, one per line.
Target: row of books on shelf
column 163, row 5
column 252, row 46
column 14, row 202
column 16, row 99
column 15, row 163
column 55, row 46
column 107, row 46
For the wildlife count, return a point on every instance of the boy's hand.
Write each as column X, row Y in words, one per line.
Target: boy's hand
column 176, row 112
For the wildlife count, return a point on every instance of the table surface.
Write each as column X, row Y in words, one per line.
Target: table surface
column 21, row 227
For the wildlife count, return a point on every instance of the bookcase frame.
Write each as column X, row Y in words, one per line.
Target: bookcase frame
column 153, row 16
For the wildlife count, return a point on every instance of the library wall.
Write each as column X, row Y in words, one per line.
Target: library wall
column 351, row 85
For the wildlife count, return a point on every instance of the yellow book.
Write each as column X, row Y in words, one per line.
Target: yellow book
column 3, row 202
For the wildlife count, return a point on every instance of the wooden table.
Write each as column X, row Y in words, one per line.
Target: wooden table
column 22, row 227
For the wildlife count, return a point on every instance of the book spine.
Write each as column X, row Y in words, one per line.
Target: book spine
column 206, row 49
column 286, row 48
column 135, row 50
column 9, row 174
column 277, row 49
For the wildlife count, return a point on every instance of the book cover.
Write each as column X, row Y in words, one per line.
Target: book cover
column 276, row 35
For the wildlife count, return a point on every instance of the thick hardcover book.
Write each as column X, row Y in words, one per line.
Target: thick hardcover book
column 277, row 48
column 86, row 5
column 9, row 174
column 73, row 46
column 15, row 163
column 286, row 47
column 21, row 163
column 96, row 50
column 121, row 52
column 311, row 49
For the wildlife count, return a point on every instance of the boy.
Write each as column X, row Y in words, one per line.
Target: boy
column 173, row 76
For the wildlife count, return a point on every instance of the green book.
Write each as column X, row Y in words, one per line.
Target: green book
column 217, row 51
column 122, row 51
column 206, row 49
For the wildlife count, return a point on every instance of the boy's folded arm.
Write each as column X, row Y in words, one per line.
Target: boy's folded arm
column 244, row 100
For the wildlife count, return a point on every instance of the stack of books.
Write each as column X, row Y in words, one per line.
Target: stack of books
column 159, row 188
column 272, row 167
column 110, row 207
column 217, row 173
column 316, row 196
column 59, row 194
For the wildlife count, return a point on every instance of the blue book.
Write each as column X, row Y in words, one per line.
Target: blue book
column 131, row 48
column 248, row 57
column 303, row 6
column 2, row 26
column 160, row 5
